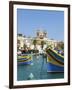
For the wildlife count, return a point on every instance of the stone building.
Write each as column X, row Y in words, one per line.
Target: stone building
column 20, row 41
column 41, row 36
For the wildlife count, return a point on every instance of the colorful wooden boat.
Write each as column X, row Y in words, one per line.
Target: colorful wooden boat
column 24, row 59
column 55, row 62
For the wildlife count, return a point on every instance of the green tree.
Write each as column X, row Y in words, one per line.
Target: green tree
column 24, row 46
column 60, row 45
column 50, row 46
column 34, row 43
column 42, row 44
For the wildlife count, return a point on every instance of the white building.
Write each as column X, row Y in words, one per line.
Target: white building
column 40, row 36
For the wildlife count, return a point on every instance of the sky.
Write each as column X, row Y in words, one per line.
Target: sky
column 29, row 21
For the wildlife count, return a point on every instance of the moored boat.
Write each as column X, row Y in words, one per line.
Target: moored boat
column 55, row 62
column 25, row 59
column 56, row 56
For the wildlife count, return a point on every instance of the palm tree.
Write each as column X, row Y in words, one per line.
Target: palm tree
column 34, row 43
column 24, row 46
column 42, row 44
column 50, row 46
column 60, row 45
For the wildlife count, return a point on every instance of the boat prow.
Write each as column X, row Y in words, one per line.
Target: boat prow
column 55, row 62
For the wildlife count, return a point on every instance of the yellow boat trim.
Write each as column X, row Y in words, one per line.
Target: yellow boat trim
column 50, row 60
column 23, row 57
column 57, row 53
column 24, row 60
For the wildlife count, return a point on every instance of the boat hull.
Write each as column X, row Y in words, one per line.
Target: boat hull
column 54, row 62
column 25, row 63
column 56, row 56
column 54, row 68
column 24, row 60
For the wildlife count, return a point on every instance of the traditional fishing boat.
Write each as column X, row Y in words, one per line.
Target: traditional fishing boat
column 55, row 61
column 24, row 59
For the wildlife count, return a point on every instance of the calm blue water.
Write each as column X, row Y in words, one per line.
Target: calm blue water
column 38, row 69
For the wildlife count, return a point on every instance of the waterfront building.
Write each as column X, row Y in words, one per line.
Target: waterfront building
column 40, row 39
column 41, row 35
column 20, row 41
column 52, row 43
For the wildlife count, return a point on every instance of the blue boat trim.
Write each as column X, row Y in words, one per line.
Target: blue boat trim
column 55, row 63
column 54, row 68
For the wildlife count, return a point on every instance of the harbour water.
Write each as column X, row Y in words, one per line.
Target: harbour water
column 38, row 70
